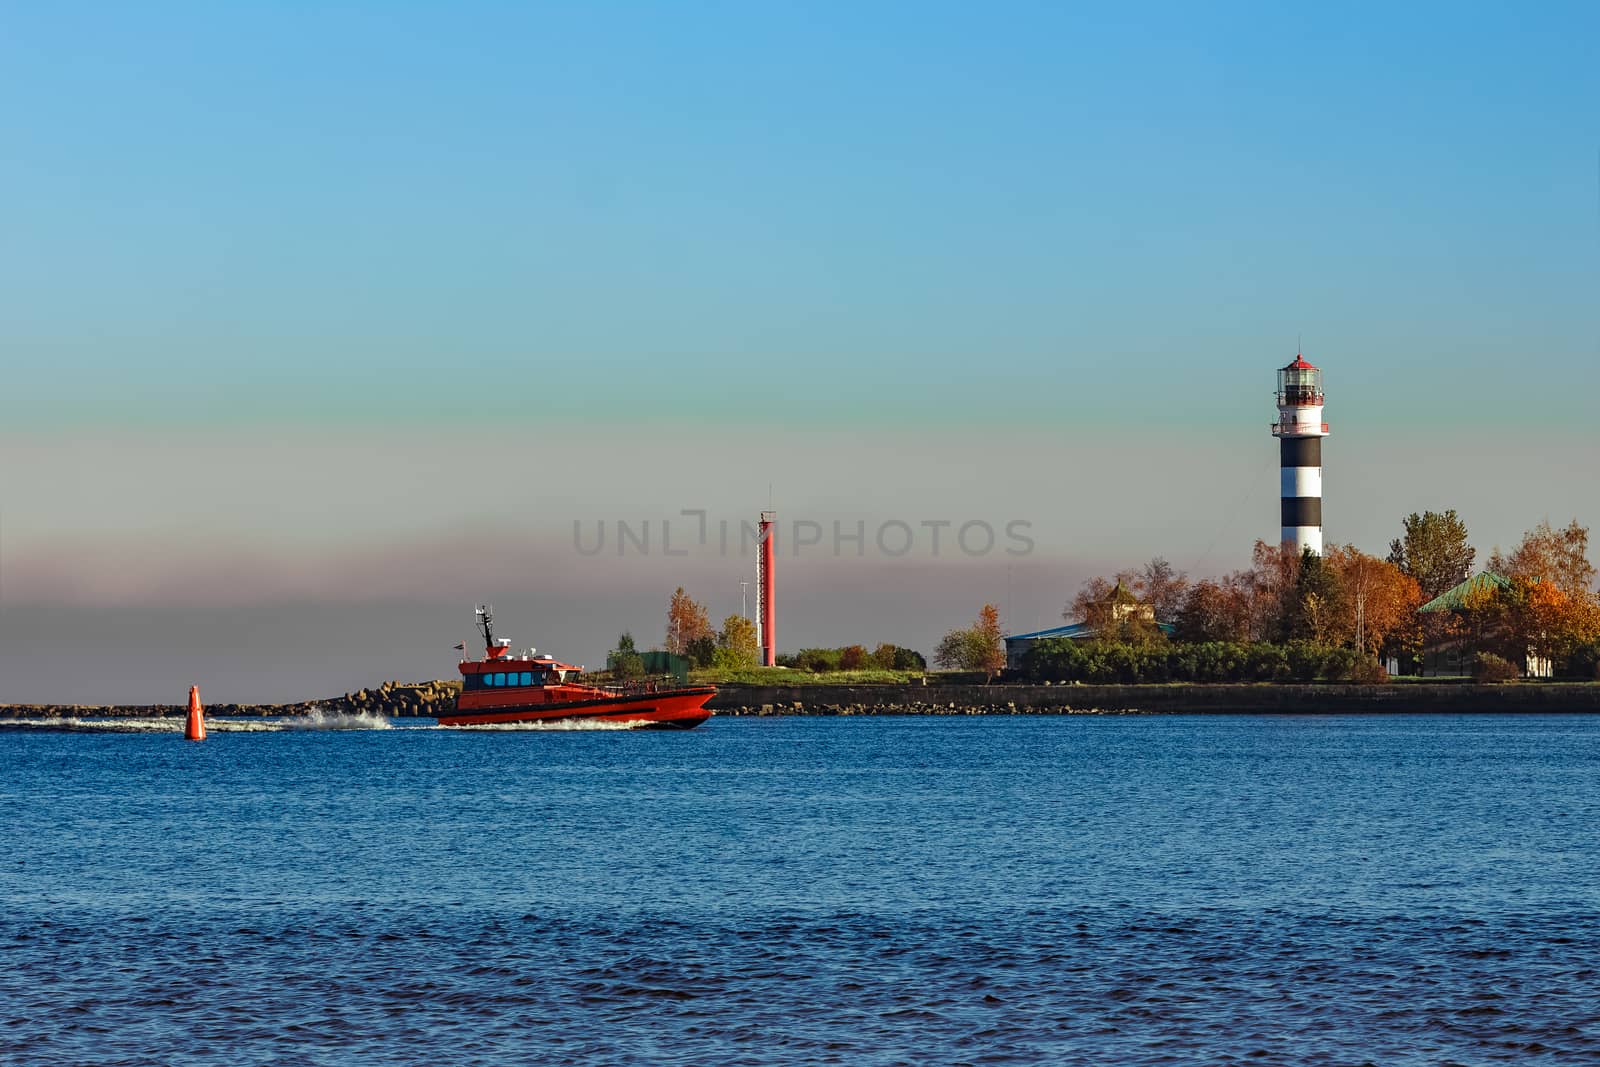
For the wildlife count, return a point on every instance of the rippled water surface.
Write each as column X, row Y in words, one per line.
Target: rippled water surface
column 849, row 891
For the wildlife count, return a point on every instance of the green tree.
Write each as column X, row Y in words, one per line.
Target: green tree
column 895, row 658
column 1318, row 600
column 625, row 662
column 980, row 647
column 738, row 640
column 909, row 659
column 702, row 651
column 1434, row 551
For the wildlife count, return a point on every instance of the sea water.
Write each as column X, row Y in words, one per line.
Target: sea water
column 1095, row 890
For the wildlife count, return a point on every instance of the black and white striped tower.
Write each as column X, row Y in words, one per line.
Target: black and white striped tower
column 1300, row 431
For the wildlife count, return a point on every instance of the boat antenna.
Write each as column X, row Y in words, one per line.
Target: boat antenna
column 485, row 615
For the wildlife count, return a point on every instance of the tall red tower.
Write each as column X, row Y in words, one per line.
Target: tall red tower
column 764, row 588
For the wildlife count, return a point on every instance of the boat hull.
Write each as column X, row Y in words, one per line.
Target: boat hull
column 669, row 709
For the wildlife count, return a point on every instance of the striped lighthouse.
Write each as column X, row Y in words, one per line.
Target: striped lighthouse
column 1300, row 431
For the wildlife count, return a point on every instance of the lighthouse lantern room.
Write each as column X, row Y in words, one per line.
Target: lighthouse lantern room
column 1300, row 431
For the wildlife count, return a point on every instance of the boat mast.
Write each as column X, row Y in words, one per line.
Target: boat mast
column 485, row 615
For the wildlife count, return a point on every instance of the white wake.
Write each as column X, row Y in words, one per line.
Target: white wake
column 557, row 725
column 316, row 719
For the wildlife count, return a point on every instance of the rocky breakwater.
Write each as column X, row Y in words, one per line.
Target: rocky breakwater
column 391, row 699
column 824, row 699
column 396, row 699
column 904, row 700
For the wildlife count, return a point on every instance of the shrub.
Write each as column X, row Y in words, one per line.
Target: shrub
column 1306, row 660
column 1368, row 671
column 1103, row 662
column 817, row 660
column 852, row 658
column 1339, row 664
column 1488, row 668
column 907, row 659
column 1268, row 663
column 731, row 659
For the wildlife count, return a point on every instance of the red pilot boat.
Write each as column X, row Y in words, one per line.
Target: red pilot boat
column 502, row 688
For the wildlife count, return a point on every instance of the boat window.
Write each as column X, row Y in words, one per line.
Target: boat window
column 527, row 677
column 499, row 678
column 538, row 678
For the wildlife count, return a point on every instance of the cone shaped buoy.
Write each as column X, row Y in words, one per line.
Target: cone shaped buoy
column 195, row 728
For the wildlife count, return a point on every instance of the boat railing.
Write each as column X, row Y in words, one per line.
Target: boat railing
column 639, row 686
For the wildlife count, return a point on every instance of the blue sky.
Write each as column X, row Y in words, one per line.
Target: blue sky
column 1039, row 235
column 706, row 202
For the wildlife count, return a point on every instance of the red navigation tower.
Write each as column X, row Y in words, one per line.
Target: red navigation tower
column 764, row 588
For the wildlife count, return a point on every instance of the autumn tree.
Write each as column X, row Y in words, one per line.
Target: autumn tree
column 992, row 640
column 1548, row 555
column 1162, row 588
column 1111, row 608
column 687, row 623
column 1378, row 600
column 1216, row 610
column 1546, row 621
column 1434, row 551
column 1255, row 611
column 1274, row 571
column 1551, row 606
column 980, row 647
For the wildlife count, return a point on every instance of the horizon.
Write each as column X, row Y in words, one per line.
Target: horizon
column 320, row 329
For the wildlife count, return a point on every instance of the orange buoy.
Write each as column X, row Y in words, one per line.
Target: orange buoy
column 195, row 728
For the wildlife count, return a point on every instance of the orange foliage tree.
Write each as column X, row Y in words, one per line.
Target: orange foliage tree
column 991, row 640
column 980, row 647
column 687, row 621
column 1378, row 600
column 1551, row 607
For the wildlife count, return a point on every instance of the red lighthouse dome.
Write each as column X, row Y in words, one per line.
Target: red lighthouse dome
column 1299, row 383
